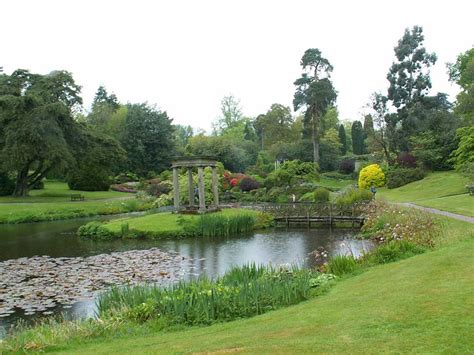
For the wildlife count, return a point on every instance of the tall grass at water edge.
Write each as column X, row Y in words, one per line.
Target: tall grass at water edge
column 387, row 252
column 213, row 225
column 242, row 292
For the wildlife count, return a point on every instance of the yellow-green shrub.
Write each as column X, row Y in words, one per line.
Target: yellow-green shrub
column 371, row 175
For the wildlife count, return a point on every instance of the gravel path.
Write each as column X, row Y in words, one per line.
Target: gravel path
column 439, row 212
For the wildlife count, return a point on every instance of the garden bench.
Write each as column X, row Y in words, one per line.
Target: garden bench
column 77, row 197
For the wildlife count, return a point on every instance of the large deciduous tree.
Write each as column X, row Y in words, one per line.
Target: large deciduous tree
column 274, row 126
column 148, row 139
column 315, row 93
column 231, row 115
column 37, row 129
column 462, row 73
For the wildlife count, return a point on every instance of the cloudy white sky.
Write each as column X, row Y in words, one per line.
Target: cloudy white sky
column 185, row 56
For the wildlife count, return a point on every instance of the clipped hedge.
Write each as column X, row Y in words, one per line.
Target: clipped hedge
column 401, row 176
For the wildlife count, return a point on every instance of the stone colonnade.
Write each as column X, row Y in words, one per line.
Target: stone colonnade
column 200, row 163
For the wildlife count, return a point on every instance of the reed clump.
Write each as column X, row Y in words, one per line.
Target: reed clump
column 242, row 292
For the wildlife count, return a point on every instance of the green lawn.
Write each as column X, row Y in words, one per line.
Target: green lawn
column 445, row 191
column 336, row 184
column 162, row 223
column 422, row 304
column 158, row 222
column 54, row 202
column 434, row 185
column 461, row 204
column 55, row 191
column 36, row 212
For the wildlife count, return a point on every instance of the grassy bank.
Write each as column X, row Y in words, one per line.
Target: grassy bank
column 167, row 225
column 445, row 191
column 434, row 185
column 420, row 304
column 56, row 191
column 461, row 204
column 36, row 212
column 53, row 203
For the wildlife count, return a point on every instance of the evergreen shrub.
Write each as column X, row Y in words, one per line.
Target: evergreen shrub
column 401, row 176
column 347, row 166
column 371, row 175
column 89, row 179
column 321, row 194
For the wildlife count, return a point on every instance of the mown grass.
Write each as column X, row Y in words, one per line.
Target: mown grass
column 36, row 212
column 168, row 225
column 54, row 202
column 422, row 304
column 461, row 204
column 335, row 184
column 56, row 191
column 434, row 185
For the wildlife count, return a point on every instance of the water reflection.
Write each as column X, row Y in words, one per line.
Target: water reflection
column 211, row 257
column 214, row 257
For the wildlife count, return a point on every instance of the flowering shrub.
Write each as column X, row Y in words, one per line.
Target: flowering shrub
column 234, row 182
column 122, row 188
column 386, row 222
column 371, row 175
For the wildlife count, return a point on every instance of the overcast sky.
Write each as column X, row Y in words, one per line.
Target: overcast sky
column 185, row 56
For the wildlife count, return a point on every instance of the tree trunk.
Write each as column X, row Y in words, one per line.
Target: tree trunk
column 315, row 139
column 21, row 188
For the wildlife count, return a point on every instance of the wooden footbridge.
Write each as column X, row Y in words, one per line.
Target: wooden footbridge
column 303, row 213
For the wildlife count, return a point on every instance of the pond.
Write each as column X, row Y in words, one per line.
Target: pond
column 207, row 256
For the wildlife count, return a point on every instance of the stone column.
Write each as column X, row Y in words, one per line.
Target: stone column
column 176, row 188
column 215, row 187
column 202, row 198
column 190, row 187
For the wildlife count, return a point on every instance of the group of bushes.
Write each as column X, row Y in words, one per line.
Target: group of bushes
column 404, row 171
column 401, row 176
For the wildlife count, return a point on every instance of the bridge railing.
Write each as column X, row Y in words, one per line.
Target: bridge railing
column 310, row 209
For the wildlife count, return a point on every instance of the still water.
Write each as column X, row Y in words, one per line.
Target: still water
column 211, row 257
